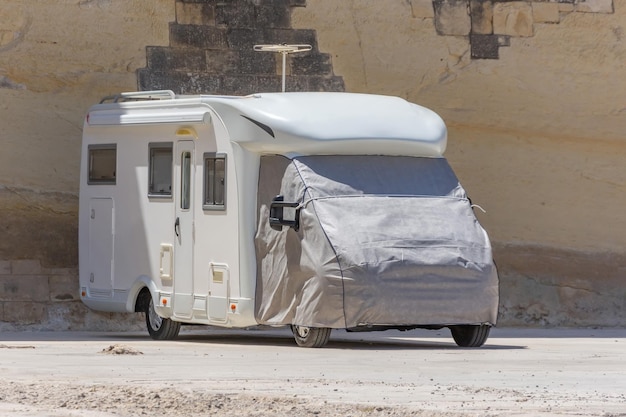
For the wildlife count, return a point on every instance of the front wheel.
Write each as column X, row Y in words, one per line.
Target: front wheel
column 312, row 337
column 470, row 335
column 158, row 327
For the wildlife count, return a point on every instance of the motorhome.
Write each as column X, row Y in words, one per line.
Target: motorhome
column 313, row 210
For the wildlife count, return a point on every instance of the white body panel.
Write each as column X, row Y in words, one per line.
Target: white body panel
column 202, row 269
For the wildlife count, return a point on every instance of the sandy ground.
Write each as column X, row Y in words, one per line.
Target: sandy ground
column 262, row 373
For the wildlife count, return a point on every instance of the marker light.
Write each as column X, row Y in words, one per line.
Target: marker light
column 187, row 131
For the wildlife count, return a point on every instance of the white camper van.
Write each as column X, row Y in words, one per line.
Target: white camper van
column 318, row 211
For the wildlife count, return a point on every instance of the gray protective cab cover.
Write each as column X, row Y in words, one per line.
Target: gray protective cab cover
column 387, row 241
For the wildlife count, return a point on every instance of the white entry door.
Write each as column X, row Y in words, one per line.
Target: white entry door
column 183, row 224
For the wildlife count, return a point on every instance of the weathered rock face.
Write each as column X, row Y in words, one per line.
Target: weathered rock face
column 56, row 59
column 531, row 92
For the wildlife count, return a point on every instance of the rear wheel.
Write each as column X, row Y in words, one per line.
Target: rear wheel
column 312, row 337
column 470, row 335
column 158, row 327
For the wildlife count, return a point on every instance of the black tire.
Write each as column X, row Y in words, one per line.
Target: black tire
column 311, row 337
column 158, row 327
column 470, row 335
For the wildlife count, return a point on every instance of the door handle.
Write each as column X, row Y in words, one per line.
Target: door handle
column 177, row 226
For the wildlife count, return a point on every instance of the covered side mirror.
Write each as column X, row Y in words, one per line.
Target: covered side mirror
column 277, row 213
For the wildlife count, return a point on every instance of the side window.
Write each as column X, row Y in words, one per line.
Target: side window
column 214, row 182
column 102, row 164
column 160, row 166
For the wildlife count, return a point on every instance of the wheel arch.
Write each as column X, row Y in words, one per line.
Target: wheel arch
column 143, row 290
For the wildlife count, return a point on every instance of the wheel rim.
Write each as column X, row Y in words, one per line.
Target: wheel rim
column 155, row 320
column 302, row 331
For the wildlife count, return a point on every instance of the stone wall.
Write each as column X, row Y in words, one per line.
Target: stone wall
column 57, row 58
column 42, row 298
column 531, row 92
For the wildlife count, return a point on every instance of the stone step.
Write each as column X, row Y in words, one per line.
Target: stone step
column 202, row 83
column 245, row 14
column 199, row 36
column 237, row 13
column 217, row 61
column 211, row 37
column 311, row 63
column 210, row 61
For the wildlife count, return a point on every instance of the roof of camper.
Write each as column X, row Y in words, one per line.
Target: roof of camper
column 299, row 123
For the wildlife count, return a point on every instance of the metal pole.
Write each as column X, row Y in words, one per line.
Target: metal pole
column 284, row 53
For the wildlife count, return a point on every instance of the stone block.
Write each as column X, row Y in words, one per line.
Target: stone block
column 161, row 58
column 422, row 9
column 5, row 267
column 59, row 271
column 452, row 17
column 273, row 14
column 270, row 84
column 22, row 313
column 245, row 39
column 247, row 14
column 198, row 83
column 179, row 82
column 546, row 12
column 198, row 36
column 236, row 14
column 484, row 46
column 195, row 13
column 259, row 63
column 219, row 61
column 594, row 6
column 26, row 267
column 481, row 13
column 566, row 7
column 248, row 84
column 24, row 288
column 253, row 62
column 513, row 19
column 292, row 36
column 311, row 64
column 63, row 288
column 298, row 83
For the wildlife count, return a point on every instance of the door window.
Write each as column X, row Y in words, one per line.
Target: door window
column 160, row 170
column 185, row 186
